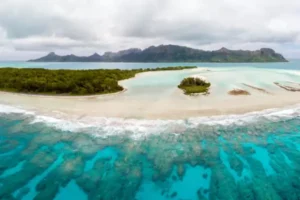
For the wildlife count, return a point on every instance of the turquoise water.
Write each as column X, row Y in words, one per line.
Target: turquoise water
column 293, row 64
column 257, row 160
column 252, row 156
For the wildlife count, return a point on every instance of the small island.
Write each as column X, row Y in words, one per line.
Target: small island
column 194, row 85
column 69, row 82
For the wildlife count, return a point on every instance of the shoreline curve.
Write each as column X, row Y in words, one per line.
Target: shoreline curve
column 142, row 103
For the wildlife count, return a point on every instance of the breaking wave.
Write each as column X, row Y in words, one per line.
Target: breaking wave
column 140, row 128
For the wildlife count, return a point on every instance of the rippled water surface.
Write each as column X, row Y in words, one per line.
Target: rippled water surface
column 186, row 160
column 292, row 64
column 251, row 156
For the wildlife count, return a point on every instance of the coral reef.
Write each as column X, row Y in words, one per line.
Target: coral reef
column 288, row 88
column 257, row 88
column 202, row 162
column 237, row 92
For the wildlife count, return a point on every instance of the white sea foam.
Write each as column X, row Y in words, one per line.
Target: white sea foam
column 275, row 115
column 10, row 109
column 103, row 127
column 141, row 128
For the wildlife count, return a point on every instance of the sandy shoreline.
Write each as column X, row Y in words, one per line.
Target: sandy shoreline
column 142, row 110
column 154, row 101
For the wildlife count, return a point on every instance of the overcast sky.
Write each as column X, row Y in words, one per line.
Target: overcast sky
column 32, row 28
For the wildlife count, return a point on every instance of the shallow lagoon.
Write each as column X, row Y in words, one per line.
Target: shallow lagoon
column 160, row 84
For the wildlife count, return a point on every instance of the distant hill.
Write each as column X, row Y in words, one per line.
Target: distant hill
column 171, row 53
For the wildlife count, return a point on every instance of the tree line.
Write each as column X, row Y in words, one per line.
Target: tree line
column 71, row 82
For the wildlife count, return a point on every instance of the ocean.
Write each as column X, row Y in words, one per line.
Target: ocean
column 250, row 156
column 292, row 64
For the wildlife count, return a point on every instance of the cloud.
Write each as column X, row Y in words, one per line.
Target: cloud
column 87, row 26
column 216, row 20
column 23, row 20
column 40, row 43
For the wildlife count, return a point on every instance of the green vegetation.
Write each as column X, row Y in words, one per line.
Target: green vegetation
column 194, row 85
column 68, row 82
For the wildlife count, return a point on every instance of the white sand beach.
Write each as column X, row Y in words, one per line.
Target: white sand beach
column 154, row 95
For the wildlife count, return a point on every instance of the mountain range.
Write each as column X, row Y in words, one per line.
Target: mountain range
column 171, row 53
